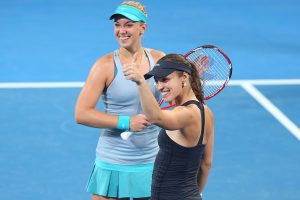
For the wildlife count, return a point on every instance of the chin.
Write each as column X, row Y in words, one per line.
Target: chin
column 125, row 46
column 168, row 100
column 124, row 43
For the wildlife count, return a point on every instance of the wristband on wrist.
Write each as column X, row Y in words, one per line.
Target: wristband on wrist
column 123, row 123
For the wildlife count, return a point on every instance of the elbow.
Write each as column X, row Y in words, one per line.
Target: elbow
column 207, row 164
column 79, row 116
column 154, row 120
column 153, row 114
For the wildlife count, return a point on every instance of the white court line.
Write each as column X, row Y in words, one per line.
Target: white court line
column 285, row 121
column 18, row 85
column 266, row 82
column 246, row 84
column 4, row 85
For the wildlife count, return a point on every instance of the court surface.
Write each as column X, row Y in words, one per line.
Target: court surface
column 47, row 48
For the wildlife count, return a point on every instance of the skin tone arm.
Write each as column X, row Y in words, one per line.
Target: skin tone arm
column 207, row 158
column 168, row 119
column 174, row 119
column 86, row 113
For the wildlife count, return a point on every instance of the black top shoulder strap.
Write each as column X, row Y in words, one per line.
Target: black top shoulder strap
column 201, row 107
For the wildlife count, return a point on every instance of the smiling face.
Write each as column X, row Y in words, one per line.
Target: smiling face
column 127, row 32
column 171, row 86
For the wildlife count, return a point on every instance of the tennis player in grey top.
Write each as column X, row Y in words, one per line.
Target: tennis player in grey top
column 123, row 168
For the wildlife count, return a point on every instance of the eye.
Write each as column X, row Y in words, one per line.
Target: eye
column 164, row 80
column 161, row 80
column 129, row 25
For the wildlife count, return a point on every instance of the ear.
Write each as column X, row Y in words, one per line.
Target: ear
column 185, row 79
column 143, row 28
column 185, row 76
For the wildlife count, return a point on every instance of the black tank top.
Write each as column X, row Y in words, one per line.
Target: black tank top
column 176, row 167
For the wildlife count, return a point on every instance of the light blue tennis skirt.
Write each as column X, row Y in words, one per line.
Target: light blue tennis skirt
column 120, row 181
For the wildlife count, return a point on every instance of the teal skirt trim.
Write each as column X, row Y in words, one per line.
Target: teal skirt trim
column 120, row 181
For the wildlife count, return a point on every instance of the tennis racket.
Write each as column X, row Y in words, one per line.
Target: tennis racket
column 214, row 67
column 215, row 70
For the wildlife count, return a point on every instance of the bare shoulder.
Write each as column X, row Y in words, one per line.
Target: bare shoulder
column 208, row 112
column 156, row 54
column 102, row 70
column 103, row 66
column 105, row 61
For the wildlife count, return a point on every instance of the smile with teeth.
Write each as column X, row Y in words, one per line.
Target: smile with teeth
column 124, row 37
column 164, row 93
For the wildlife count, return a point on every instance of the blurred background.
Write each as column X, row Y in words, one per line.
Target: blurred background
column 44, row 154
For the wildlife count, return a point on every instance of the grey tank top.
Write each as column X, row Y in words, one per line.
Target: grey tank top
column 122, row 98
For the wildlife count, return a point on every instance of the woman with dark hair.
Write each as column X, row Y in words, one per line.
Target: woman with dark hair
column 186, row 137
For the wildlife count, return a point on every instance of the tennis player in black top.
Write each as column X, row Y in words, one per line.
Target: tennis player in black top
column 186, row 138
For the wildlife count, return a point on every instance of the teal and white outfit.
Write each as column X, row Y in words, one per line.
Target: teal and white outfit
column 123, row 168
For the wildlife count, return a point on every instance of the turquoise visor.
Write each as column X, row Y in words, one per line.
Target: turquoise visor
column 131, row 13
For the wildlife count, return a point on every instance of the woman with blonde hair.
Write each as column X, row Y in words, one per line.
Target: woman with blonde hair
column 123, row 168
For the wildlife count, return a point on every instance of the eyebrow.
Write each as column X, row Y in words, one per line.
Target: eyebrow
column 161, row 79
column 129, row 21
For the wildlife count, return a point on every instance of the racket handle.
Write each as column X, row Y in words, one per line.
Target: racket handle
column 125, row 135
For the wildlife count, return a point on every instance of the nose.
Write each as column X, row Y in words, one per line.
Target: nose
column 122, row 29
column 159, row 85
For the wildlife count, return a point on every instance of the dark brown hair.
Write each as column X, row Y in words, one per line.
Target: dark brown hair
column 194, row 77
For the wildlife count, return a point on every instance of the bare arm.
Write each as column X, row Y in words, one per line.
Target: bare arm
column 85, row 110
column 207, row 158
column 169, row 119
column 174, row 119
column 86, row 113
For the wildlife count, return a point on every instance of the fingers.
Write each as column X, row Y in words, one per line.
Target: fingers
column 203, row 65
column 128, row 71
column 135, row 56
column 139, row 123
column 132, row 71
column 130, row 68
column 204, row 60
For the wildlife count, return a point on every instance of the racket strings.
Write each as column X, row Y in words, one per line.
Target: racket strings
column 215, row 74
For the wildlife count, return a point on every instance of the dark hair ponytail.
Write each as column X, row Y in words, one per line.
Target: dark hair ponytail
column 196, row 83
column 194, row 77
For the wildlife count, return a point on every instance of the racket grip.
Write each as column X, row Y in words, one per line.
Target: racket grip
column 125, row 135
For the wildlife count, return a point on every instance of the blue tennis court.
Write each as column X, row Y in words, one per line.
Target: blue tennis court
column 46, row 51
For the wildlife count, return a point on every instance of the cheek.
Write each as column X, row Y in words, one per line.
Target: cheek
column 136, row 31
column 177, row 87
column 140, row 31
column 157, row 86
column 116, row 31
